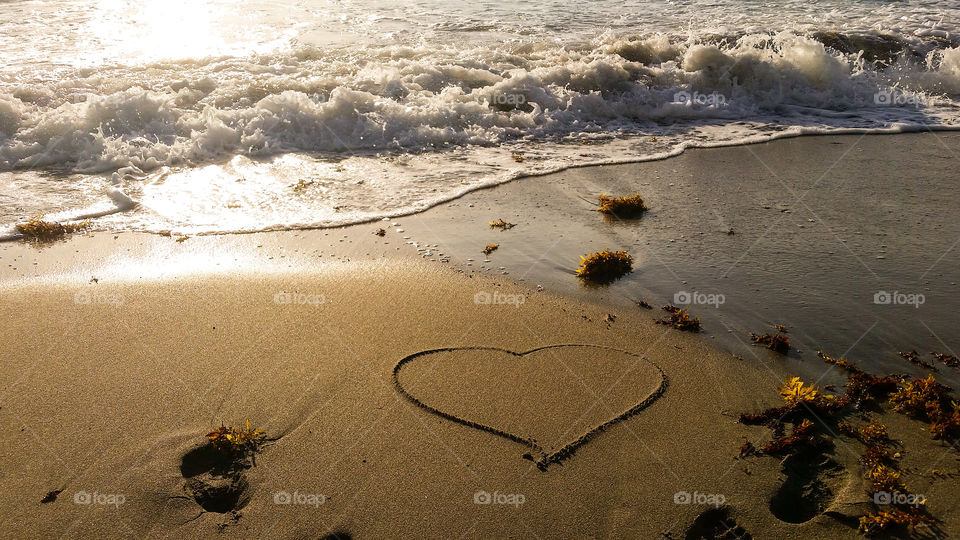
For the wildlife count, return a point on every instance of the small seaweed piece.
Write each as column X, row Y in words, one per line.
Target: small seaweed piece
column 795, row 392
column 841, row 363
column 380, row 232
column 768, row 417
column 680, row 319
column 926, row 399
column 775, row 342
column 947, row 359
column 747, row 449
column 622, row 207
column 302, row 185
column 862, row 386
column 605, row 266
column 801, row 434
column 51, row 496
column 519, row 157
column 502, row 225
column 876, row 456
column 236, row 440
column 884, row 478
column 918, row 397
column 39, row 230
column 873, row 434
column 644, row 304
column 490, row 248
column 914, row 358
column 782, row 328
column 875, row 523
column 945, row 425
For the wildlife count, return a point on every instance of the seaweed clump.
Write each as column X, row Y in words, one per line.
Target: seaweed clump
column 801, row 400
column 39, row 230
column 878, row 522
column 885, row 485
column 926, row 399
column 236, row 441
column 680, row 319
column 775, row 342
column 490, row 248
column 605, row 266
column 802, row 435
column 948, row 360
column 803, row 405
column 806, row 407
column 862, row 387
column 914, row 358
column 502, row 225
column 622, row 207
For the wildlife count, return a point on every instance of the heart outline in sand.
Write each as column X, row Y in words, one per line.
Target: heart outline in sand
column 537, row 454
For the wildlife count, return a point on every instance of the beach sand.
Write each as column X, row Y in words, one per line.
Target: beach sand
column 397, row 392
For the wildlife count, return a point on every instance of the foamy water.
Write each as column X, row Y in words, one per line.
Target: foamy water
column 216, row 116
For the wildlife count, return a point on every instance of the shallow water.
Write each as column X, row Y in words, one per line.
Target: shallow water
column 217, row 116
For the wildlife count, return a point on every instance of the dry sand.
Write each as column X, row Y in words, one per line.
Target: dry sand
column 121, row 352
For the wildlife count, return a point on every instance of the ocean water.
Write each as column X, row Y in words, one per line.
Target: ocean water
column 219, row 116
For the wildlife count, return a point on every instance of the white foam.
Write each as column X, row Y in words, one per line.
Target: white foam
column 418, row 122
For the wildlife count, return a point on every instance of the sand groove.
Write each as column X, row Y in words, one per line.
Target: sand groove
column 537, row 453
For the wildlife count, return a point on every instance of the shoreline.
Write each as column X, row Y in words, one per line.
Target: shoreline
column 792, row 133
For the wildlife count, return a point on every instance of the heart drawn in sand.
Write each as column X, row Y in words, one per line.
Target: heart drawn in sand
column 552, row 399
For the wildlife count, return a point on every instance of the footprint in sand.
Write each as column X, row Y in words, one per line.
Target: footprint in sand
column 812, row 483
column 552, row 400
column 716, row 524
column 217, row 483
